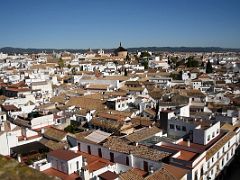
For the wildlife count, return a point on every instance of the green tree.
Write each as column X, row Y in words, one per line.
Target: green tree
column 145, row 64
column 209, row 68
column 61, row 63
column 191, row 62
column 145, row 54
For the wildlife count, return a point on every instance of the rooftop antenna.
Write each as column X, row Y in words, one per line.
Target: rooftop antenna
column 120, row 44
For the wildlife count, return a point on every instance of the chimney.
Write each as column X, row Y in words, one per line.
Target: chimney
column 188, row 143
column 84, row 162
column 42, row 131
column 136, row 144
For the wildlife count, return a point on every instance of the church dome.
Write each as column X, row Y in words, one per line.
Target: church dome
column 121, row 51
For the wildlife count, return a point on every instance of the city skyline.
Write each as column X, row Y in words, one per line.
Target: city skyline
column 94, row 24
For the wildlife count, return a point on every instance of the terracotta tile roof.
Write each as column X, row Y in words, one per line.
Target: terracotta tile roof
column 61, row 175
column 94, row 162
column 59, row 99
column 193, row 93
column 97, row 87
column 120, row 78
column 218, row 145
column 108, row 175
column 86, row 103
column 137, row 89
column 107, row 124
column 162, row 174
column 150, row 111
column 114, row 117
column 63, row 154
column 149, row 153
column 54, row 134
column 177, row 172
column 53, row 145
column 143, row 134
column 131, row 175
column 143, row 121
column 121, row 145
column 9, row 108
column 168, row 172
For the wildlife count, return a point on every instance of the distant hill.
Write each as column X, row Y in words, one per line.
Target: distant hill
column 11, row 50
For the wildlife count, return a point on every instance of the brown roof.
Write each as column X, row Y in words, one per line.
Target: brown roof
column 143, row 121
column 194, row 93
column 167, row 172
column 131, row 175
column 61, row 175
column 143, row 134
column 150, row 111
column 63, row 154
column 53, row 145
column 9, row 108
column 94, row 162
column 97, row 87
column 86, row 103
column 121, row 145
column 219, row 144
column 54, row 134
column 108, row 175
column 115, row 117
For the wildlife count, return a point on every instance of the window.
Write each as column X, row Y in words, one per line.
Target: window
column 223, row 162
column 127, row 161
column 111, row 157
column 223, row 150
column 218, row 155
column 89, row 150
column 202, row 171
column 208, row 138
column 99, row 152
column 77, row 164
column 178, row 127
column 227, row 156
column 208, row 165
column 212, row 159
column 171, row 126
column 196, row 175
column 231, row 152
column 228, row 144
column 213, row 134
column 184, row 128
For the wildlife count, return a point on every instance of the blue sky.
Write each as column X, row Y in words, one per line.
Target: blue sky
column 103, row 23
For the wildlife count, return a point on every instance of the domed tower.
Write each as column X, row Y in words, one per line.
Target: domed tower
column 121, row 52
